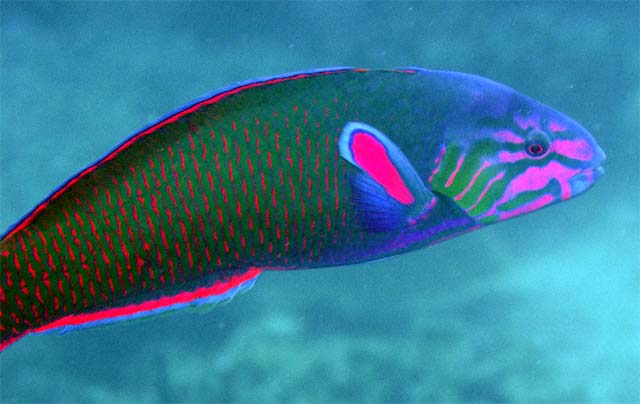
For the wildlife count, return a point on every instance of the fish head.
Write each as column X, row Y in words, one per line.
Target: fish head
column 513, row 155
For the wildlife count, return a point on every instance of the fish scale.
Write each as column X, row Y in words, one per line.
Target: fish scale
column 267, row 175
column 129, row 219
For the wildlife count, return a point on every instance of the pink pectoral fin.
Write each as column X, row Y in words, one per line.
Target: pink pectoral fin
column 373, row 158
column 389, row 193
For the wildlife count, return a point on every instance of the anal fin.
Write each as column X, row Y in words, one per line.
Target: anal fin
column 221, row 290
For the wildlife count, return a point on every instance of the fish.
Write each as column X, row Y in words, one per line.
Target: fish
column 310, row 169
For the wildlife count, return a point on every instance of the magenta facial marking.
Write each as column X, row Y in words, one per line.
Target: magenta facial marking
column 484, row 166
column 578, row 149
column 507, row 136
column 534, row 179
column 521, row 122
column 372, row 157
column 493, row 180
column 557, row 127
column 527, row 122
column 455, row 172
column 510, row 157
column 536, row 204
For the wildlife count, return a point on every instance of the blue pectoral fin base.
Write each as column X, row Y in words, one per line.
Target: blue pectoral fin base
column 376, row 210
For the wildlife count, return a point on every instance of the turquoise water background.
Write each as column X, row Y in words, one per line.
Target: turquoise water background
column 545, row 307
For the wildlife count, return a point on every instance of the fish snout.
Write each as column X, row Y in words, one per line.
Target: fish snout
column 586, row 178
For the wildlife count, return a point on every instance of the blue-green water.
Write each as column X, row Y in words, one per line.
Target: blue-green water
column 542, row 308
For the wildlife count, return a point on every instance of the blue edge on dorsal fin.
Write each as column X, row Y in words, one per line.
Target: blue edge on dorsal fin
column 158, row 121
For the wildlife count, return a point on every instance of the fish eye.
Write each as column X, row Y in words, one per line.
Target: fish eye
column 537, row 144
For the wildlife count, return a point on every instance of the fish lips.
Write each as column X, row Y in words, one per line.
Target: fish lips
column 585, row 179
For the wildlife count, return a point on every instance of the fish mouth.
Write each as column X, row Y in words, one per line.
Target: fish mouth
column 585, row 179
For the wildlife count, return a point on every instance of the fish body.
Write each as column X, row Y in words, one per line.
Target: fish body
column 313, row 169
